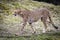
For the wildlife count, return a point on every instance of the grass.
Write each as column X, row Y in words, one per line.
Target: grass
column 47, row 36
column 7, row 18
column 7, row 7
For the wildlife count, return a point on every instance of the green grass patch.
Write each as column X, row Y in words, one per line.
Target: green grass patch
column 47, row 36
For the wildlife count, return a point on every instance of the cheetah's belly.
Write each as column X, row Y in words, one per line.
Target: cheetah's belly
column 33, row 19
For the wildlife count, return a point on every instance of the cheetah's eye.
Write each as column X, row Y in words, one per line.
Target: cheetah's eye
column 14, row 14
